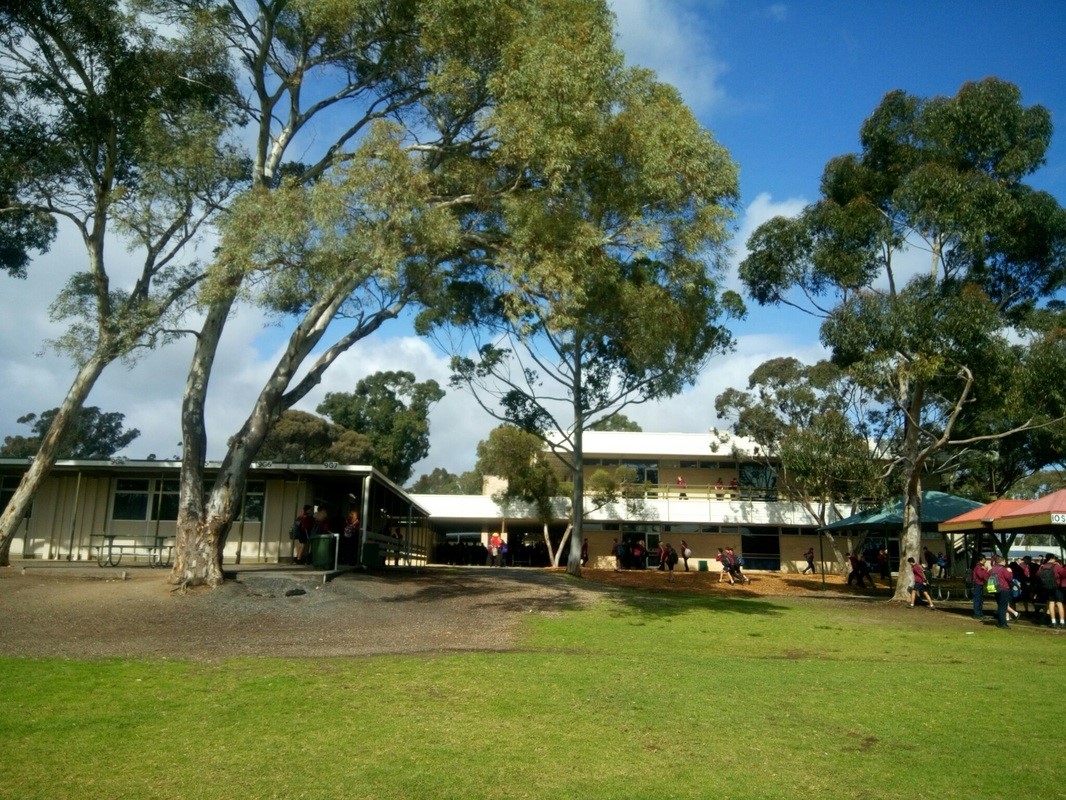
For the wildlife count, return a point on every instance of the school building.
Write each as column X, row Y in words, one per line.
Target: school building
column 711, row 490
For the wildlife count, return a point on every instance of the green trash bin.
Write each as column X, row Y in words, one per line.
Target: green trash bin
column 323, row 551
column 702, row 565
column 372, row 557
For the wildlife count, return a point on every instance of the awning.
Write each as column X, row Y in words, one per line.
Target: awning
column 981, row 519
column 936, row 507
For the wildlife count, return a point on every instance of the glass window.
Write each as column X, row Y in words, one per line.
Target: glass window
column 757, row 476
column 165, row 500
column 131, row 499
column 646, row 471
column 689, row 464
column 253, row 501
column 8, row 485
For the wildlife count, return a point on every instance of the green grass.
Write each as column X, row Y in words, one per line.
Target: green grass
column 638, row 697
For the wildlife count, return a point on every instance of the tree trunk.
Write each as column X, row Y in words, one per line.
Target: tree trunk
column 562, row 543
column 910, row 542
column 577, row 500
column 202, row 527
column 48, row 453
column 197, row 557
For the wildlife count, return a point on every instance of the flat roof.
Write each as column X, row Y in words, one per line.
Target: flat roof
column 710, row 446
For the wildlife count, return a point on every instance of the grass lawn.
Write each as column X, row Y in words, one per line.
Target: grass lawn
column 641, row 696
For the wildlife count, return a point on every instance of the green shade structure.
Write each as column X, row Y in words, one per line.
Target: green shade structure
column 936, row 508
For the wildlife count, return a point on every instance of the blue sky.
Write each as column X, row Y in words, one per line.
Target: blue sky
column 784, row 86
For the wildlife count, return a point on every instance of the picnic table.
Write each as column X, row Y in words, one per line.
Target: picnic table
column 110, row 547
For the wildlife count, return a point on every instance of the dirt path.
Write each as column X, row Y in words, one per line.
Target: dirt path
column 83, row 611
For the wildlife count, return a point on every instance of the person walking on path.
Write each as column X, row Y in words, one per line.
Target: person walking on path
column 720, row 558
column 980, row 578
column 1002, row 577
column 305, row 522
column 734, row 564
column 920, row 588
column 671, row 560
column 617, row 551
column 809, row 555
column 1052, row 576
column 686, row 553
column 858, row 571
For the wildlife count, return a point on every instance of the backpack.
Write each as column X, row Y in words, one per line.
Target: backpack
column 1047, row 576
column 294, row 531
column 992, row 586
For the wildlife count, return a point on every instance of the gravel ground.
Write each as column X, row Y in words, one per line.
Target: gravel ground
column 78, row 611
column 75, row 612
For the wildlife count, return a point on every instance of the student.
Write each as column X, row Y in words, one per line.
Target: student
column 920, row 587
column 686, row 553
column 1002, row 577
column 1052, row 577
column 809, row 555
column 305, row 522
column 671, row 560
column 980, row 578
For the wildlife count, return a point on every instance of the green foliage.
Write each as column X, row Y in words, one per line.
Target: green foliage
column 391, row 410
column 518, row 457
column 301, row 438
column 944, row 175
column 812, row 424
column 440, row 481
column 90, row 435
column 615, row 422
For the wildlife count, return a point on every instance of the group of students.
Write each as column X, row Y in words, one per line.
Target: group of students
column 732, row 566
column 632, row 555
column 1021, row 581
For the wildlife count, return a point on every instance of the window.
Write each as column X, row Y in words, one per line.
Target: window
column 761, row 550
column 759, row 477
column 253, row 501
column 690, row 464
column 646, row 471
column 131, row 499
column 165, row 500
column 8, row 484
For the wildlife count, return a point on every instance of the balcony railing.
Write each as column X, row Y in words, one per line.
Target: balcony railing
column 667, row 491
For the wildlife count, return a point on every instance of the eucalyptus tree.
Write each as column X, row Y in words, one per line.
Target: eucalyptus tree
column 380, row 99
column 112, row 129
column 822, row 435
column 596, row 287
column 302, row 438
column 391, row 409
column 92, row 434
column 429, row 101
column 945, row 177
column 531, row 476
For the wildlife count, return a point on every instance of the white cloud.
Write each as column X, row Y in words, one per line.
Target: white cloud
column 674, row 42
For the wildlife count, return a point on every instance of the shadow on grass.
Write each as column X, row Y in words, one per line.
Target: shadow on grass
column 656, row 607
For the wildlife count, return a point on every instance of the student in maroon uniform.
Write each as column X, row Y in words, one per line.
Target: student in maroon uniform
column 921, row 586
column 980, row 578
column 1003, row 578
